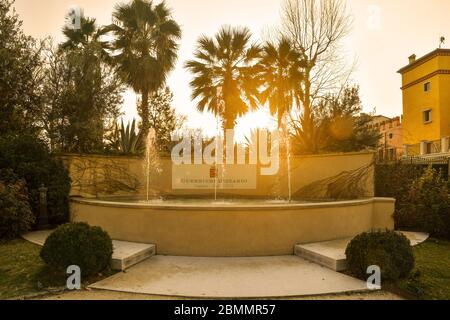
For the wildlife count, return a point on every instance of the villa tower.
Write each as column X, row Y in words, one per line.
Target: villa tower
column 426, row 103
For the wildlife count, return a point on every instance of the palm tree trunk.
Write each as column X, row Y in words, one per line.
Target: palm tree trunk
column 228, row 124
column 145, row 114
column 280, row 120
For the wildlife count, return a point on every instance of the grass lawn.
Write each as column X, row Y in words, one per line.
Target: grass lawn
column 431, row 278
column 22, row 271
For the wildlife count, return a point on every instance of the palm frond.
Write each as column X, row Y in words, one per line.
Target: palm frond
column 282, row 74
column 146, row 39
column 224, row 75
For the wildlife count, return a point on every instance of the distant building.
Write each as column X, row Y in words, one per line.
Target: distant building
column 426, row 104
column 391, row 141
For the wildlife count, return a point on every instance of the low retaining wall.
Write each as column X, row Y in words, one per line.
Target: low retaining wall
column 234, row 231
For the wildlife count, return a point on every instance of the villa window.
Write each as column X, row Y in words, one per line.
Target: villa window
column 391, row 136
column 427, row 87
column 427, row 116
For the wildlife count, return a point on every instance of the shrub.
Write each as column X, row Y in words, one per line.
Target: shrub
column 392, row 180
column 422, row 196
column 31, row 160
column 426, row 206
column 78, row 244
column 15, row 212
column 389, row 250
column 395, row 181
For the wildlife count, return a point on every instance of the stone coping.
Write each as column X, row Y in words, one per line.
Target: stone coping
column 262, row 207
column 167, row 157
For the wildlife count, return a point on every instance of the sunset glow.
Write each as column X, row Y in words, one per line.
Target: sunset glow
column 384, row 34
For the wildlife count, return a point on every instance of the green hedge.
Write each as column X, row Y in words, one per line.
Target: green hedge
column 427, row 206
column 395, row 180
column 422, row 195
column 78, row 244
column 389, row 250
column 30, row 159
column 15, row 212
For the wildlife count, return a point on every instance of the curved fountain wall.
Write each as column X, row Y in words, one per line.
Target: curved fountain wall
column 240, row 230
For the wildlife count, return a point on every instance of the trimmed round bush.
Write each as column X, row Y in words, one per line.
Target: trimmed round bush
column 389, row 250
column 78, row 244
column 15, row 211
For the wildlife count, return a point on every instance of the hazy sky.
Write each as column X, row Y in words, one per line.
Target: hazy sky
column 385, row 33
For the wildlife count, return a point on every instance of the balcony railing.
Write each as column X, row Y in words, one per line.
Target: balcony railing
column 427, row 148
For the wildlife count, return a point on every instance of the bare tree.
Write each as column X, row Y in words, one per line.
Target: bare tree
column 317, row 28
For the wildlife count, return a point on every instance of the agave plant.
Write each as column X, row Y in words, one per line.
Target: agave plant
column 130, row 141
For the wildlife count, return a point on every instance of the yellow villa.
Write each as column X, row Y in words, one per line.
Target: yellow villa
column 426, row 103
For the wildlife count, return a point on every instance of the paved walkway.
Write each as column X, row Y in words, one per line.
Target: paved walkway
column 37, row 237
column 285, row 276
column 89, row 295
column 194, row 277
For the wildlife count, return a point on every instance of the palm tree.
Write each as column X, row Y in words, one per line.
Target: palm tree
column 145, row 48
column 85, row 54
column 225, row 81
column 280, row 70
column 88, row 34
column 281, row 73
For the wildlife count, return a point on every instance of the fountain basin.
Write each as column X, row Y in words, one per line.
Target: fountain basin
column 232, row 228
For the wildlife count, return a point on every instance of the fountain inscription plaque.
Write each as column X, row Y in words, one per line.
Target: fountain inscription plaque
column 207, row 177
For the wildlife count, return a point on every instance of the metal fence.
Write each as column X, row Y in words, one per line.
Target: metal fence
column 440, row 163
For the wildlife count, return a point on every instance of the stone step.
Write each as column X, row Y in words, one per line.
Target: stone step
column 125, row 254
column 331, row 254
